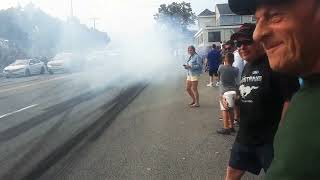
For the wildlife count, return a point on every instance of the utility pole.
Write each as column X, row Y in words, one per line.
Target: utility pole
column 71, row 8
column 94, row 22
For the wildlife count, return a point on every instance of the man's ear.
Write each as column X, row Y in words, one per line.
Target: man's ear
column 317, row 12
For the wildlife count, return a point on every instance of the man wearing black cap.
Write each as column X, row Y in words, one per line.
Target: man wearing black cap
column 289, row 31
column 263, row 95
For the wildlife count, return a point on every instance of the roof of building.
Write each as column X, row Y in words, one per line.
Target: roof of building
column 224, row 9
column 207, row 12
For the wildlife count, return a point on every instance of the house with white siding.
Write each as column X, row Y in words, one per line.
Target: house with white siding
column 218, row 26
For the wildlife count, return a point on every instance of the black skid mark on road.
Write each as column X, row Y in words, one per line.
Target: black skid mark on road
column 29, row 160
column 47, row 115
column 88, row 134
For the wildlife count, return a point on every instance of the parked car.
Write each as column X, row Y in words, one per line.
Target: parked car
column 24, row 67
column 65, row 62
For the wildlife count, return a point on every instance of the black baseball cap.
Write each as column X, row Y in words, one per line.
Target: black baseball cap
column 245, row 31
column 248, row 7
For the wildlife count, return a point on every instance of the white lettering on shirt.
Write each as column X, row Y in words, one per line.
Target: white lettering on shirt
column 251, row 79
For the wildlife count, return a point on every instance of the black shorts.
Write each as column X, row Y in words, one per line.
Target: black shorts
column 213, row 72
column 251, row 158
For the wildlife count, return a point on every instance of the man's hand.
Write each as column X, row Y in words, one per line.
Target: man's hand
column 224, row 103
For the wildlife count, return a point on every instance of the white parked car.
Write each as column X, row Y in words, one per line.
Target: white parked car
column 64, row 62
column 24, row 67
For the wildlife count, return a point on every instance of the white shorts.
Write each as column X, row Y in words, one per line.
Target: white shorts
column 193, row 78
column 230, row 100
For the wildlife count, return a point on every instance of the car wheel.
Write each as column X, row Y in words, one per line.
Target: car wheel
column 42, row 70
column 50, row 72
column 27, row 73
column 7, row 77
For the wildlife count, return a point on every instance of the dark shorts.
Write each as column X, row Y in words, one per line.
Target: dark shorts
column 213, row 72
column 251, row 158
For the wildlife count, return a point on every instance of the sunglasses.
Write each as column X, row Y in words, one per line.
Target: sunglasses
column 244, row 43
column 228, row 49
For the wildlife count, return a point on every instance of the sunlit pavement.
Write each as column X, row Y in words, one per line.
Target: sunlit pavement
column 157, row 137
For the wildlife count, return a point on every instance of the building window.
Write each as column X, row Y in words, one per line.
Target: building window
column 214, row 36
column 253, row 18
column 226, row 20
column 236, row 19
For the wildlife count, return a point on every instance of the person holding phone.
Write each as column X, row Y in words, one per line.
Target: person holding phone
column 194, row 70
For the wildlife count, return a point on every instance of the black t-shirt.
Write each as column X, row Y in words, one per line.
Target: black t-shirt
column 263, row 93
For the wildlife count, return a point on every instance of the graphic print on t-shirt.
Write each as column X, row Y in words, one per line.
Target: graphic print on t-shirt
column 250, row 83
column 246, row 90
column 255, row 72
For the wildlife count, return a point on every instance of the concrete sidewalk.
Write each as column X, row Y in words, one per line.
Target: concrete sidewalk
column 157, row 137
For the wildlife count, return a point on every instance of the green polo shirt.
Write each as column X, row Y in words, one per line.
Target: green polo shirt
column 297, row 142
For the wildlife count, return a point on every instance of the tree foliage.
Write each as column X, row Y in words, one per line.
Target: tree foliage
column 178, row 15
column 31, row 32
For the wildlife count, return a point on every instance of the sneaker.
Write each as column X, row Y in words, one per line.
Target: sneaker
column 232, row 130
column 217, row 84
column 191, row 103
column 194, row 105
column 236, row 123
column 224, row 131
column 210, row 85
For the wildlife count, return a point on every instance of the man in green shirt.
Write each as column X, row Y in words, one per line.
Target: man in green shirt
column 289, row 31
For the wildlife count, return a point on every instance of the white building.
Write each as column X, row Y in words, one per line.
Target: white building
column 218, row 26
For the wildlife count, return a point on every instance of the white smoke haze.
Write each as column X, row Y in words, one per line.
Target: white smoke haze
column 136, row 57
column 139, row 50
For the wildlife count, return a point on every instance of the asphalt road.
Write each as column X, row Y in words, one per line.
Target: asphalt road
column 156, row 137
column 68, row 127
column 40, row 114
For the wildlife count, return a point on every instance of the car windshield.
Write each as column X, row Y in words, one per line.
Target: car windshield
column 21, row 62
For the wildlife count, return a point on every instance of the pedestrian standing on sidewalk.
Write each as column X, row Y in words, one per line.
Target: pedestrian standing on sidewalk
column 289, row 32
column 194, row 70
column 263, row 95
column 229, row 47
column 238, row 63
column 213, row 61
column 227, row 76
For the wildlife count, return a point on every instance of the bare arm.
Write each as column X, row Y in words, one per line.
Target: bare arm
column 206, row 64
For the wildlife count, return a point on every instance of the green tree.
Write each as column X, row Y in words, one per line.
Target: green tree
column 178, row 15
